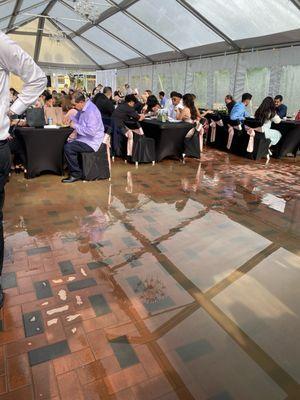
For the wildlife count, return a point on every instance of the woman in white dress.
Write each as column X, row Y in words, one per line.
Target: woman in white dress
column 266, row 114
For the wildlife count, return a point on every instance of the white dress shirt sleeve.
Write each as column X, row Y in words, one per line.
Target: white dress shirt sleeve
column 14, row 59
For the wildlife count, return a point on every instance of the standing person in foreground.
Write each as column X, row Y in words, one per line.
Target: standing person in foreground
column 14, row 59
column 90, row 134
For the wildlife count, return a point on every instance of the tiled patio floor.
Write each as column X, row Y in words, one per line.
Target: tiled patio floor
column 170, row 282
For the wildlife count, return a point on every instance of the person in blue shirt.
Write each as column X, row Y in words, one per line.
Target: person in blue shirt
column 281, row 109
column 239, row 111
column 162, row 99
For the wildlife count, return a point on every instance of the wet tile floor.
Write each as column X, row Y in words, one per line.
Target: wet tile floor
column 171, row 282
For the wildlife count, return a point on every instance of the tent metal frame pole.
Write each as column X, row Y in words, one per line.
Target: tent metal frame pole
column 17, row 8
column 235, row 73
column 11, row 29
column 90, row 42
column 296, row 3
column 148, row 29
column 185, row 75
column 103, row 18
column 40, row 31
column 109, row 13
column 211, row 26
column 79, row 48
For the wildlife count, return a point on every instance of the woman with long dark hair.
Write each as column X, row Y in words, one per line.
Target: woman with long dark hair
column 265, row 115
column 189, row 113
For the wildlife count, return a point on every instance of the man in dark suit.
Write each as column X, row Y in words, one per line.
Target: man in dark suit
column 104, row 102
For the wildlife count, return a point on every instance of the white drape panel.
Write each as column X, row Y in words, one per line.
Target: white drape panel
column 270, row 72
column 122, row 78
column 262, row 73
column 169, row 76
column 107, row 77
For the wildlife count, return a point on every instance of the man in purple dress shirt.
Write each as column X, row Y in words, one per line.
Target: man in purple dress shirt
column 90, row 133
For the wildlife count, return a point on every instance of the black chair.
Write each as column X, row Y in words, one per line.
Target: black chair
column 143, row 149
column 96, row 165
column 192, row 144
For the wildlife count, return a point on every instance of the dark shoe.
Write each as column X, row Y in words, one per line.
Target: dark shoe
column 71, row 179
column 1, row 297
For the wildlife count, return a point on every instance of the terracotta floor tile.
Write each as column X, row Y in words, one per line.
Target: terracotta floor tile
column 73, row 361
column 11, row 335
column 26, row 344
column 23, row 393
column 99, row 344
column 25, row 285
column 13, row 317
column 152, row 388
column 44, row 380
column 125, row 378
column 68, row 385
column 76, row 337
column 90, row 372
column 2, row 361
column 18, row 372
column 110, row 365
column 3, row 386
column 104, row 321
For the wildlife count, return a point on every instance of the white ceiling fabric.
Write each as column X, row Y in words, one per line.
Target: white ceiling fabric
column 133, row 32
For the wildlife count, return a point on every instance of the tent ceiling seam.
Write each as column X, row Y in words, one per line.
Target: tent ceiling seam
column 107, row 14
column 150, row 30
column 77, row 33
column 78, row 47
column 212, row 27
column 95, row 45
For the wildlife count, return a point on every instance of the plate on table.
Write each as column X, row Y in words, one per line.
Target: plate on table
column 52, row 126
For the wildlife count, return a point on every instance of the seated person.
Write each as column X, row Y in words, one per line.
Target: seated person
column 229, row 103
column 239, row 111
column 13, row 95
column 90, row 133
column 297, row 117
column 281, row 109
column 69, row 111
column 176, row 104
column 125, row 112
column 48, row 99
column 162, row 99
column 118, row 97
column 189, row 112
column 265, row 115
column 152, row 105
column 104, row 102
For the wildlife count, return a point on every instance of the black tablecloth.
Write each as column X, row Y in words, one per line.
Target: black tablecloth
column 289, row 143
column 290, row 140
column 44, row 149
column 168, row 136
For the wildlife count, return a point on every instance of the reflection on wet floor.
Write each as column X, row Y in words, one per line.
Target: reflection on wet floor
column 171, row 282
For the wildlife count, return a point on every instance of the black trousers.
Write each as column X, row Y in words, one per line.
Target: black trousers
column 4, row 172
column 72, row 151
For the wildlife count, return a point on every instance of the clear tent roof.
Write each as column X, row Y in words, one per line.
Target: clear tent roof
column 131, row 32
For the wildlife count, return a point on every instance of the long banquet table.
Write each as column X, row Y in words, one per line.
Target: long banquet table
column 44, row 149
column 168, row 136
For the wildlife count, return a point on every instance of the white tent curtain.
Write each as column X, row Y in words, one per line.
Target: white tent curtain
column 261, row 73
column 107, row 77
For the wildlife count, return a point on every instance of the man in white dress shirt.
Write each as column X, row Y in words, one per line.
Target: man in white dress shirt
column 14, row 59
column 174, row 104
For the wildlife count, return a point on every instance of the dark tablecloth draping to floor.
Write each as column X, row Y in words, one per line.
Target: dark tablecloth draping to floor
column 168, row 136
column 44, row 149
column 289, row 142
